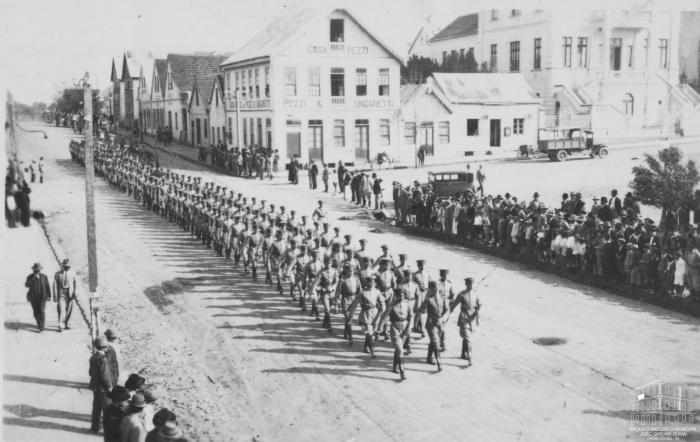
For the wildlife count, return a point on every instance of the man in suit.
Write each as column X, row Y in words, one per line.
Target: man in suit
column 615, row 204
column 101, row 382
column 39, row 292
column 64, row 293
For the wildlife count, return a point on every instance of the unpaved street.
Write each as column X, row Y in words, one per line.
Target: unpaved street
column 238, row 360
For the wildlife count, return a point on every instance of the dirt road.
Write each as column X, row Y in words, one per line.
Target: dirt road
column 237, row 360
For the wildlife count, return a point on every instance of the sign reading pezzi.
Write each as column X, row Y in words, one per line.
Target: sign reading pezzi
column 336, row 49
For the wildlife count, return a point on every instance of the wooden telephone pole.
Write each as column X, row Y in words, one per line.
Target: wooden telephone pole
column 90, row 207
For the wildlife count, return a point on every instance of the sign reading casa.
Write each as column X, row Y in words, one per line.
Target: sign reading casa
column 337, row 49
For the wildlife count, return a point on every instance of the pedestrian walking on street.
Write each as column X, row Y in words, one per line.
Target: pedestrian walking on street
column 42, row 167
column 132, row 427
column 341, row 178
column 23, row 202
column 436, row 306
column 101, row 382
column 400, row 318
column 64, row 294
column 114, row 413
column 468, row 312
column 313, row 175
column 39, row 292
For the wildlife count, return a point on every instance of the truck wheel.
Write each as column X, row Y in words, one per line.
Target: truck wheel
column 562, row 155
column 603, row 152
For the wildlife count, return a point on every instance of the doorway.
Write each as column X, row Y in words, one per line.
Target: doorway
column 426, row 138
column 495, row 138
column 615, row 53
column 293, row 138
column 362, row 140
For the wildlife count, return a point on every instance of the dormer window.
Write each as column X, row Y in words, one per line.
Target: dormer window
column 337, row 30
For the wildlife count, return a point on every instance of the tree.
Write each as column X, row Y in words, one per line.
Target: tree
column 417, row 69
column 665, row 183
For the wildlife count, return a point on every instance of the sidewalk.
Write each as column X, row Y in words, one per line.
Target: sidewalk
column 45, row 390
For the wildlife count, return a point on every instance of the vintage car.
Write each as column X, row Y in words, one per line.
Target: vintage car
column 560, row 143
column 449, row 183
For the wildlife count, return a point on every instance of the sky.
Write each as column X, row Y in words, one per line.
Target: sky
column 50, row 44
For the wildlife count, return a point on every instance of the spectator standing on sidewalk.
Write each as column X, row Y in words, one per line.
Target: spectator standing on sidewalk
column 114, row 413
column 39, row 292
column 377, row 190
column 132, row 427
column 341, row 178
column 101, row 382
column 64, row 293
column 112, row 357
column 42, row 167
column 324, row 177
column 313, row 174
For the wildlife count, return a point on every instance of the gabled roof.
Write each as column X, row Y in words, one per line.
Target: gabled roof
column 411, row 91
column 205, row 85
column 114, row 75
column 461, row 27
column 283, row 30
column 161, row 69
column 486, row 88
column 186, row 67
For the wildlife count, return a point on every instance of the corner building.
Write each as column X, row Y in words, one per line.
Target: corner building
column 316, row 85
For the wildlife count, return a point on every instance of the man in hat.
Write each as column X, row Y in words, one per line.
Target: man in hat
column 386, row 283
column 114, row 413
column 39, row 291
column 385, row 255
column 437, row 307
column 101, row 381
column 349, row 288
column 445, row 290
column 400, row 317
column 468, row 312
column 64, row 293
column 132, row 427
column 372, row 305
column 421, row 278
column 312, row 275
column 111, row 352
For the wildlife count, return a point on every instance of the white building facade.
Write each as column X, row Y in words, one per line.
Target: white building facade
column 615, row 72
column 317, row 86
column 454, row 116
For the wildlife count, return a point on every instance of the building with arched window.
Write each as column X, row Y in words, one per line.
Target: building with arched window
column 628, row 104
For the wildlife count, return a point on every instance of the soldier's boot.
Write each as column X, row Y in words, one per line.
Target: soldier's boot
column 464, row 349
column 442, row 341
column 302, row 302
column 407, row 348
column 437, row 358
column 279, row 287
column 327, row 321
column 291, row 292
column 468, row 351
column 429, row 359
column 396, row 363
column 236, row 258
column 365, row 348
column 349, row 326
column 371, row 348
column 268, row 277
column 401, row 372
column 245, row 267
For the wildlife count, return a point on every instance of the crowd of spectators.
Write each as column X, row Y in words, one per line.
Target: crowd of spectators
column 17, row 190
column 610, row 240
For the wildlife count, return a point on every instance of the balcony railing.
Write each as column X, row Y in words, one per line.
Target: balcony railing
column 338, row 101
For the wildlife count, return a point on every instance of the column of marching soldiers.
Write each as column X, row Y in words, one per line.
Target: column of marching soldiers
column 318, row 266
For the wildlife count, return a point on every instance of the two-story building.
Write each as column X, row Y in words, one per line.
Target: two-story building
column 614, row 71
column 154, row 105
column 453, row 116
column 180, row 73
column 117, row 97
column 317, row 85
column 205, row 100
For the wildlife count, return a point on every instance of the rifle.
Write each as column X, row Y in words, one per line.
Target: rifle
column 478, row 303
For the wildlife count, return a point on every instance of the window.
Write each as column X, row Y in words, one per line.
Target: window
column 384, row 133
column 582, row 51
column 250, row 83
column 228, row 80
column 257, row 83
column 361, row 83
column 268, row 131
column 567, row 52
column 383, row 82
column 245, row 131
column 537, row 61
column 615, row 54
column 444, row 57
column 518, row 124
column 230, row 129
column 494, row 57
column 337, row 30
column 444, row 132
column 216, row 98
column 237, row 86
column 339, row 133
column 494, row 14
column 196, row 97
column 461, row 53
column 663, row 53
column 267, row 81
column 315, row 81
column 252, row 131
column 361, row 134
column 244, row 84
column 514, row 56
column 176, row 121
column 630, row 56
column 472, row 127
column 337, row 82
column 170, row 81
column 409, row 133
column 628, row 103
column 515, row 12
column 260, row 132
column 315, row 134
column 290, row 82
column 206, row 127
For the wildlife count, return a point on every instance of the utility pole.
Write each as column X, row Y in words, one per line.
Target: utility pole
column 90, row 208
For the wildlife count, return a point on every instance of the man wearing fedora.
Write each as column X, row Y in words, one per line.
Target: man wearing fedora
column 114, row 413
column 132, row 427
column 101, row 381
column 64, row 293
column 39, row 292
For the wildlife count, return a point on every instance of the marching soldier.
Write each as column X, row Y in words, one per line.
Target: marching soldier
column 468, row 312
column 371, row 305
column 445, row 290
column 312, row 275
column 386, row 283
column 327, row 284
column 421, row 278
column 410, row 289
column 348, row 289
column 400, row 317
column 437, row 307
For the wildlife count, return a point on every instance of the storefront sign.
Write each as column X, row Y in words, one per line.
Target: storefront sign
column 373, row 104
column 294, row 104
column 337, row 48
